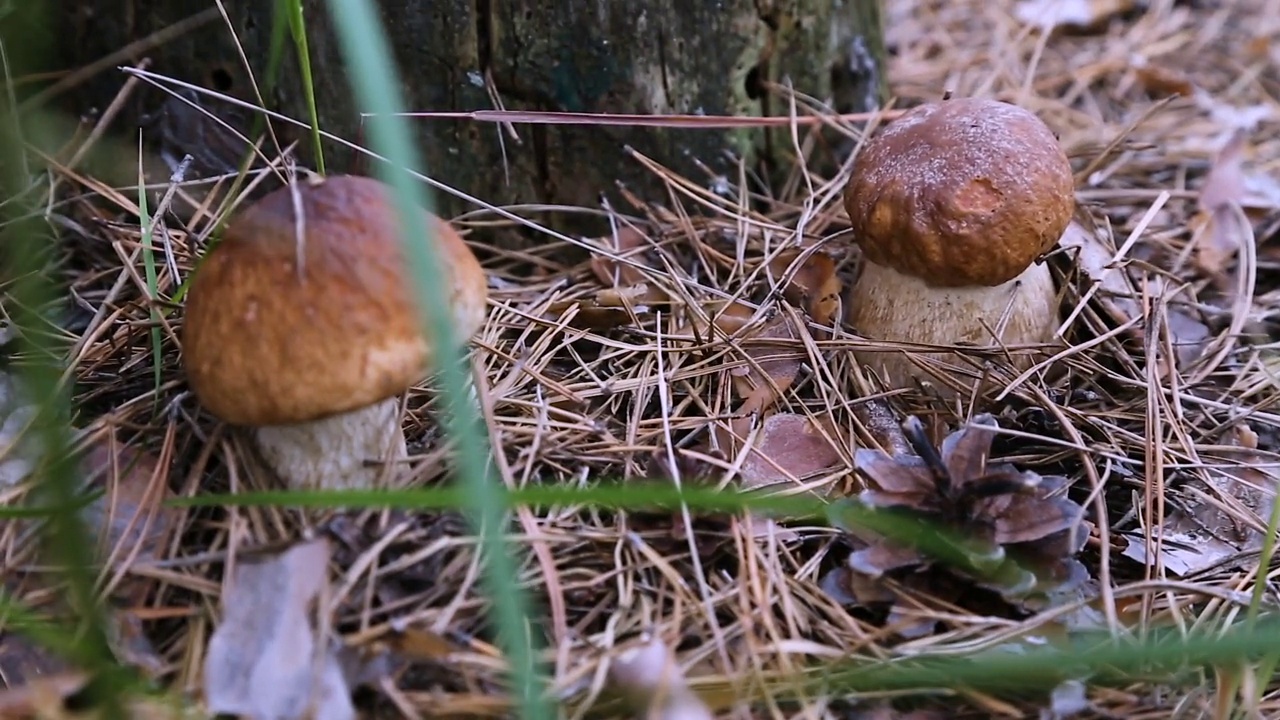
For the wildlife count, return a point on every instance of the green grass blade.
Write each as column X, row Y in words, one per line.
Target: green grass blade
column 64, row 538
column 373, row 79
column 153, row 283
column 30, row 512
column 275, row 55
column 27, row 246
column 17, row 618
column 297, row 26
column 631, row 495
column 1010, row 671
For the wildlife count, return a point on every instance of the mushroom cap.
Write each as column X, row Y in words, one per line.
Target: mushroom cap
column 960, row 192
column 266, row 342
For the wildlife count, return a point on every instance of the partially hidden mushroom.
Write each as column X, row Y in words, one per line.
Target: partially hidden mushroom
column 953, row 204
column 302, row 326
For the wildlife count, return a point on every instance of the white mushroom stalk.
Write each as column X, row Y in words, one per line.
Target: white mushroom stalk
column 359, row 449
column 904, row 308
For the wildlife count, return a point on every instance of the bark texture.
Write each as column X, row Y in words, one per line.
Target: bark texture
column 626, row 56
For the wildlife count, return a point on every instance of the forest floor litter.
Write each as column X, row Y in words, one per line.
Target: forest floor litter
column 701, row 342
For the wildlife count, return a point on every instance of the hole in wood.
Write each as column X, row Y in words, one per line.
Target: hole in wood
column 220, row 80
column 753, row 85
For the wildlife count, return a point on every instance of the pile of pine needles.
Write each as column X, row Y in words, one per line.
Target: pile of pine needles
column 696, row 320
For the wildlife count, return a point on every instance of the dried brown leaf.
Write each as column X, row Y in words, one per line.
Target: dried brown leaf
column 761, row 383
column 639, row 296
column 1218, row 519
column 268, row 657
column 1216, row 234
column 1119, row 298
column 591, row 315
column 787, row 448
column 814, row 285
column 850, row 588
column 130, row 515
column 762, row 527
column 1224, row 184
column 1094, row 259
column 626, row 284
column 1163, row 81
column 611, row 272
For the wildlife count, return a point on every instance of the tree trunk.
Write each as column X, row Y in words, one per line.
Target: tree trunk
column 619, row 56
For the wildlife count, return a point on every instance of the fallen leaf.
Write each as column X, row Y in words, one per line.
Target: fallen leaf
column 1220, row 229
column 22, row 661
column 1162, row 81
column 1218, row 519
column 773, row 369
column 590, row 314
column 18, row 449
column 1078, row 15
column 760, row 528
column 814, row 286
column 1094, row 256
column 1118, row 297
column 268, row 657
column 626, row 282
column 639, row 296
column 129, row 643
column 1224, row 182
column 651, row 679
column 1217, row 236
column 130, row 518
column 786, row 448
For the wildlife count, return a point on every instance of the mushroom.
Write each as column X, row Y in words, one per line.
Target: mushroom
column 304, row 327
column 952, row 206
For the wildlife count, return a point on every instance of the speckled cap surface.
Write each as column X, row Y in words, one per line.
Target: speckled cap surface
column 268, row 340
column 961, row 192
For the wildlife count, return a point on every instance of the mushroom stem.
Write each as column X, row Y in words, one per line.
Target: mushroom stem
column 888, row 305
column 338, row 452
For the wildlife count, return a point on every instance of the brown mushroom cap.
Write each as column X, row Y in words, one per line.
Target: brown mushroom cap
column 960, row 192
column 268, row 343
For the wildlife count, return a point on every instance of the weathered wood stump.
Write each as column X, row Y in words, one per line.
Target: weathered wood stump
column 620, row 56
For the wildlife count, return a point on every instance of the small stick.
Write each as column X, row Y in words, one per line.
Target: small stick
column 883, row 427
